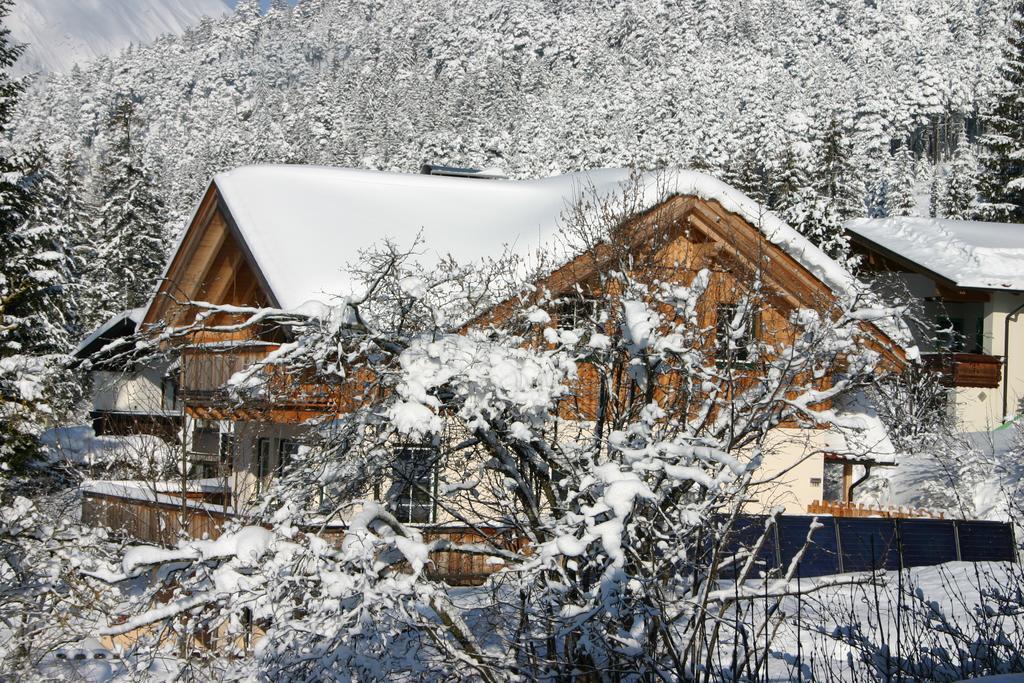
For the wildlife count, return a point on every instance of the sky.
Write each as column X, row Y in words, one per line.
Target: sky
column 266, row 3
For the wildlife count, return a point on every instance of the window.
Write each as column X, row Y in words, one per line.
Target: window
column 205, row 440
column 949, row 334
column 413, row 487
column 262, row 458
column 227, row 452
column 837, row 480
column 204, row 451
column 734, row 338
column 286, row 450
column 169, row 394
column 575, row 311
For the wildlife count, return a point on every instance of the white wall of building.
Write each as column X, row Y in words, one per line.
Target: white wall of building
column 142, row 391
column 982, row 409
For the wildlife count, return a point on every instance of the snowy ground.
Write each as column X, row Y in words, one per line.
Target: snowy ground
column 815, row 639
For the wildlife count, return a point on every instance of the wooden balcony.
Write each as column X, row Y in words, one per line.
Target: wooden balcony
column 206, row 372
column 967, row 369
column 138, row 512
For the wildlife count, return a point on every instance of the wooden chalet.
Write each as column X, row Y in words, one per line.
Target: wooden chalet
column 281, row 237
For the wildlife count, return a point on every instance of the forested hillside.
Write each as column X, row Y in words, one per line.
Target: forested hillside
column 820, row 109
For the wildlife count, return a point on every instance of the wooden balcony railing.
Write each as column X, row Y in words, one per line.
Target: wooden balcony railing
column 205, row 374
column 967, row 369
column 162, row 519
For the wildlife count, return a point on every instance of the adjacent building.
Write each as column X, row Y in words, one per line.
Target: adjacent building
column 968, row 280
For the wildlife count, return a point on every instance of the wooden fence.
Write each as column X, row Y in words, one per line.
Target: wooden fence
column 861, row 510
column 164, row 523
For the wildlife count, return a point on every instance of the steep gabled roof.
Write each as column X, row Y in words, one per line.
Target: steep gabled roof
column 303, row 224
column 300, row 228
column 962, row 254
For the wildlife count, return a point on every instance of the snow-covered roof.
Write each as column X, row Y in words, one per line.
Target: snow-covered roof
column 131, row 319
column 859, row 435
column 970, row 254
column 304, row 224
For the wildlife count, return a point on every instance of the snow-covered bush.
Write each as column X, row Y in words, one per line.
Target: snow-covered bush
column 47, row 601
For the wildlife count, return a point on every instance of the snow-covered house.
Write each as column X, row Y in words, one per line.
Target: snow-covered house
column 128, row 398
column 969, row 278
column 282, row 236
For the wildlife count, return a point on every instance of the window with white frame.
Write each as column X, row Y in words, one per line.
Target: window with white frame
column 414, row 480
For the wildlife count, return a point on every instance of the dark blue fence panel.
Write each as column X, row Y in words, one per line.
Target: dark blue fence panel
column 927, row 542
column 850, row 544
column 744, row 535
column 986, row 541
column 822, row 556
column 868, row 544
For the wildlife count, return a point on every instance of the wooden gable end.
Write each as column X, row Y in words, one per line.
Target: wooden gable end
column 685, row 234
column 672, row 243
column 211, row 265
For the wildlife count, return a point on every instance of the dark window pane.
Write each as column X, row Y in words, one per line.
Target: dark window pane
column 262, row 457
column 949, row 334
column 575, row 312
column 834, row 489
column 733, row 338
column 414, row 480
column 286, row 450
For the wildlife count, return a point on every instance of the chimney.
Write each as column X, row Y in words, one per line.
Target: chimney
column 456, row 172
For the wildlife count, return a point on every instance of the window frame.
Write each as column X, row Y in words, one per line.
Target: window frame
column 752, row 333
column 286, row 451
column 402, row 501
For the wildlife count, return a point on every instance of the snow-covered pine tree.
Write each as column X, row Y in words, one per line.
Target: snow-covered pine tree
column 1002, row 185
column 837, row 178
column 129, row 226
column 829, row 194
column 29, row 279
column 892, row 194
column 955, row 189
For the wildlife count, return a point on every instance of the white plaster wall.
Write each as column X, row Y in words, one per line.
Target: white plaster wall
column 792, row 471
column 982, row 409
column 245, row 485
column 129, row 392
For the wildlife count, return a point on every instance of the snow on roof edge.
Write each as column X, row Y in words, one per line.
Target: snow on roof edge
column 134, row 314
column 655, row 186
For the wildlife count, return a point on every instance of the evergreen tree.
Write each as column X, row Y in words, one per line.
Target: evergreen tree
column 892, row 193
column 837, row 179
column 1002, row 185
column 955, row 188
column 30, row 277
column 129, row 226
